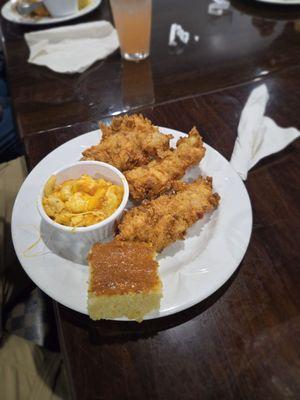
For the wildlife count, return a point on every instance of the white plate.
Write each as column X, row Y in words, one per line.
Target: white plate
column 289, row 2
column 191, row 270
column 10, row 14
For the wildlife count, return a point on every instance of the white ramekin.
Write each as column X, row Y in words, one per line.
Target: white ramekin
column 61, row 8
column 96, row 169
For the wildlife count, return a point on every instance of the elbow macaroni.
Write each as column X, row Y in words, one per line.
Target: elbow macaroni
column 81, row 202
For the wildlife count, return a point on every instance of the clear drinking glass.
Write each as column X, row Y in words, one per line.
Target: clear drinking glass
column 133, row 23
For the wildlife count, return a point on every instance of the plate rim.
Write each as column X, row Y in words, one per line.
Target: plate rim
column 280, row 2
column 170, row 311
column 6, row 12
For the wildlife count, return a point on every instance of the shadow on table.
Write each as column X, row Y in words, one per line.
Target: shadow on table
column 112, row 332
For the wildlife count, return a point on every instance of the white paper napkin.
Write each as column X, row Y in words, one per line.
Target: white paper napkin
column 74, row 48
column 258, row 135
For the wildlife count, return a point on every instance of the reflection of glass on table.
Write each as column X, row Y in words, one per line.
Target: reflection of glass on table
column 137, row 84
column 133, row 23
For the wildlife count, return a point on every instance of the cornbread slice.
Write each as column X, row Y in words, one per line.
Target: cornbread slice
column 124, row 281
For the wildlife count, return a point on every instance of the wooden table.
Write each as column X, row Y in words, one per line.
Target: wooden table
column 243, row 342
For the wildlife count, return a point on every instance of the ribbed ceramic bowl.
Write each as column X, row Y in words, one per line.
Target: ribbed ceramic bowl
column 96, row 169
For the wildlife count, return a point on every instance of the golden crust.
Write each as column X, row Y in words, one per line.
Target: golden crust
column 118, row 268
column 157, row 177
column 124, row 281
column 129, row 141
column 164, row 220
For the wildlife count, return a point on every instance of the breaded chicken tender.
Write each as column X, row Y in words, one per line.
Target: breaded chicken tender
column 129, row 141
column 164, row 220
column 157, row 177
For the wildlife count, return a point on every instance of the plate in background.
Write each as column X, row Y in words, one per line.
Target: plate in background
column 280, row 2
column 12, row 15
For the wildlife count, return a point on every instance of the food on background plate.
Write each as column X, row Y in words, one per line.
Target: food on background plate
column 81, row 202
column 83, row 3
column 164, row 220
column 123, row 281
column 157, row 177
column 128, row 142
column 42, row 11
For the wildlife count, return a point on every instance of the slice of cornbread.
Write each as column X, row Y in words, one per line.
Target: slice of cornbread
column 124, row 281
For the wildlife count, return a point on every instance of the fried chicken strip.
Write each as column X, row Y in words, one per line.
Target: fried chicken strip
column 157, row 177
column 164, row 220
column 129, row 141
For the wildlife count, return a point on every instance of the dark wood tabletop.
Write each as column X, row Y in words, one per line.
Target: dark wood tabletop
column 243, row 342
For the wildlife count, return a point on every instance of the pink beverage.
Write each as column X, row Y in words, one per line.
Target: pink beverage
column 133, row 23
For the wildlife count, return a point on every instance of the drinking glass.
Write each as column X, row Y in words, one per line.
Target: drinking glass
column 133, row 23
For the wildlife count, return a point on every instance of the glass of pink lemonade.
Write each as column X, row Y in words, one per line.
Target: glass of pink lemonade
column 133, row 23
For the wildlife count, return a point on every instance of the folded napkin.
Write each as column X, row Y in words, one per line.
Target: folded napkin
column 74, row 48
column 258, row 135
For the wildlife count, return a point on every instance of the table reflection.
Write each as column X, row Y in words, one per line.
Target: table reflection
column 137, row 84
